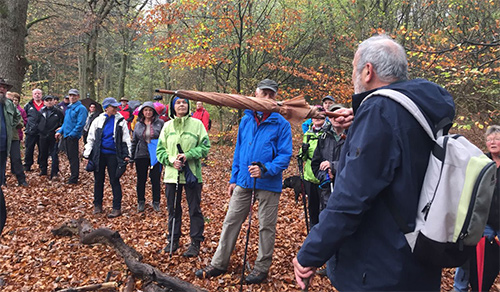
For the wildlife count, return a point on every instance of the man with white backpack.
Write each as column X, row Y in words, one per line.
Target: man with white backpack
column 382, row 164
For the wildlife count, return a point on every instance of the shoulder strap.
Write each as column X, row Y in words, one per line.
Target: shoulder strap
column 410, row 106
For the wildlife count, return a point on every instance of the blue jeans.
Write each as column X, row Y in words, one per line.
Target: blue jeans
column 462, row 273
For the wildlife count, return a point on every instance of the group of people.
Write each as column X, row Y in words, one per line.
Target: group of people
column 354, row 168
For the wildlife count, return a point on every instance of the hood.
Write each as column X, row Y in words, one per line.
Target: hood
column 171, row 110
column 149, row 104
column 433, row 100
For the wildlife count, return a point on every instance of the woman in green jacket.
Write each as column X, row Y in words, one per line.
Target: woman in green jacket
column 182, row 143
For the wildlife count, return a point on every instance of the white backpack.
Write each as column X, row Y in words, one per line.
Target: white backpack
column 455, row 198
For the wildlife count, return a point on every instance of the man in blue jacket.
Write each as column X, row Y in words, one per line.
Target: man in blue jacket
column 264, row 138
column 71, row 131
column 383, row 162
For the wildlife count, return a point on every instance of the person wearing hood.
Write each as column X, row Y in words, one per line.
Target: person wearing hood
column 108, row 146
column 383, row 162
column 71, row 131
column 191, row 136
column 145, row 136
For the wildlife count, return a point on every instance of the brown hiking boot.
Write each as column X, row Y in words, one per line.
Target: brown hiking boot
column 208, row 272
column 115, row 213
column 97, row 210
column 193, row 249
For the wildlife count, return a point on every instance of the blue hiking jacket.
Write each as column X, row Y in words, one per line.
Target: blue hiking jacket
column 74, row 120
column 385, row 155
column 269, row 143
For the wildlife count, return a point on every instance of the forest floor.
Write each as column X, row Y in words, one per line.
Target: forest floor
column 32, row 259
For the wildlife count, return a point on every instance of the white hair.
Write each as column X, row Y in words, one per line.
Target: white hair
column 387, row 57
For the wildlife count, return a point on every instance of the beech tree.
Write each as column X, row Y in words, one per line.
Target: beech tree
column 13, row 63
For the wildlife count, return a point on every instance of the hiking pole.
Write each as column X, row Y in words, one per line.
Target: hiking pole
column 248, row 229
column 302, row 189
column 175, row 205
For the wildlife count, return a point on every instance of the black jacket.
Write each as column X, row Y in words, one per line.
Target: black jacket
column 50, row 119
column 33, row 116
column 328, row 148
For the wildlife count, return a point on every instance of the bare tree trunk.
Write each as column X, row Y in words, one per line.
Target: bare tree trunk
column 13, row 63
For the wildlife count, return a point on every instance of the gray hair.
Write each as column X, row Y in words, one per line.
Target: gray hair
column 387, row 57
column 493, row 129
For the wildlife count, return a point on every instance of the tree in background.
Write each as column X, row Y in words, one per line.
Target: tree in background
column 13, row 64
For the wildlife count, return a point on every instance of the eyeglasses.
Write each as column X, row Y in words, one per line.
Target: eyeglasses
column 491, row 140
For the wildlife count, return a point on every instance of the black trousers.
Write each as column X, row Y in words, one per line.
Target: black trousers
column 109, row 161
column 312, row 191
column 29, row 143
column 193, row 197
column 142, row 165
column 3, row 165
column 72, row 151
column 46, row 148
column 16, row 164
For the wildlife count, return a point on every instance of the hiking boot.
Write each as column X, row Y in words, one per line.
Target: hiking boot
column 193, row 249
column 140, row 207
column 256, row 277
column 175, row 247
column 43, row 173
column 156, row 206
column 208, row 272
column 97, row 210
column 23, row 184
column 115, row 213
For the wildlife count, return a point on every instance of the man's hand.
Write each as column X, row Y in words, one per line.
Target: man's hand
column 324, row 165
column 58, row 136
column 230, row 189
column 302, row 273
column 346, row 119
column 254, row 171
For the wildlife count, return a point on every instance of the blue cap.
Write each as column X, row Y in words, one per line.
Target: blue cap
column 110, row 101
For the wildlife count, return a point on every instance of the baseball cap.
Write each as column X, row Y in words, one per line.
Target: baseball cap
column 328, row 97
column 73, row 92
column 110, row 101
column 268, row 84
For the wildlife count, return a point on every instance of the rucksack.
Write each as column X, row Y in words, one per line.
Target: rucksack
column 455, row 197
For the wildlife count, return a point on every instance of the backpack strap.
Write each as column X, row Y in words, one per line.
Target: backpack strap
column 410, row 106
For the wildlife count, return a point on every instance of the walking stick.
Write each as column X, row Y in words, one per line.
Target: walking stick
column 302, row 189
column 175, row 205
column 248, row 229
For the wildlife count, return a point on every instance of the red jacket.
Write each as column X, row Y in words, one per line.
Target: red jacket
column 202, row 115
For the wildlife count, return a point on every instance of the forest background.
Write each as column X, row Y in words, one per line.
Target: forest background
column 130, row 47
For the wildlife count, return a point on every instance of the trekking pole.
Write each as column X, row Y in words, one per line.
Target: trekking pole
column 302, row 189
column 175, row 205
column 248, row 229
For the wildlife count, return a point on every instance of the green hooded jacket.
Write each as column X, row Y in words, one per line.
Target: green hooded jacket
column 193, row 138
column 12, row 120
column 311, row 138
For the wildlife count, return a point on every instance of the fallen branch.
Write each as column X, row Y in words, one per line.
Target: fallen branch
column 153, row 279
column 93, row 287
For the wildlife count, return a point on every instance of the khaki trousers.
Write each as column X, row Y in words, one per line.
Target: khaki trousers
column 239, row 207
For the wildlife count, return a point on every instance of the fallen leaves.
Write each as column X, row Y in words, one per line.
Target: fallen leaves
column 31, row 259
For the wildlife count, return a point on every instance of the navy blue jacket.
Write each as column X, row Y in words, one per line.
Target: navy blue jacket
column 269, row 143
column 385, row 155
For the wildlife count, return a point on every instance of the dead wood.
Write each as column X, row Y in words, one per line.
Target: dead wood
column 153, row 279
column 93, row 287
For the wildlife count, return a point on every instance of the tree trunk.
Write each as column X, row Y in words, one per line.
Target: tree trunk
column 13, row 63
column 153, row 279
